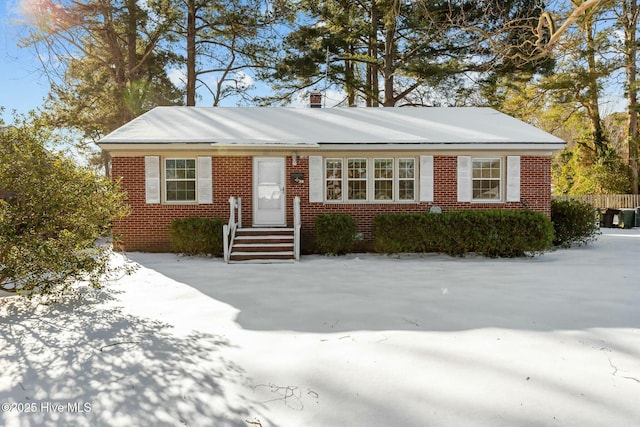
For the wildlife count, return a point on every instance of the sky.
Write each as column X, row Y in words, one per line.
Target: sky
column 23, row 86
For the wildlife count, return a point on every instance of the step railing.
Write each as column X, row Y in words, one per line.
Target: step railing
column 297, row 223
column 229, row 229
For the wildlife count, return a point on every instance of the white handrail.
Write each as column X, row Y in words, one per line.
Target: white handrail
column 229, row 230
column 297, row 223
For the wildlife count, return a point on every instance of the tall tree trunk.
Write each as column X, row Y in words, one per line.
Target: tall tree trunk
column 132, row 40
column 349, row 71
column 630, row 22
column 191, row 53
column 372, row 88
column 388, row 67
column 593, row 101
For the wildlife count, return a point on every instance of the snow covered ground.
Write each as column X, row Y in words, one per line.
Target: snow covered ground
column 361, row 340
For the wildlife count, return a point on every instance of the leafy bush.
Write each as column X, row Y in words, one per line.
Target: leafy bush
column 574, row 222
column 195, row 236
column 494, row 233
column 52, row 211
column 335, row 233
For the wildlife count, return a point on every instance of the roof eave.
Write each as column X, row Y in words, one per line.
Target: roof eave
column 453, row 146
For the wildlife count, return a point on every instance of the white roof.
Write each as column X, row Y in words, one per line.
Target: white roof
column 267, row 126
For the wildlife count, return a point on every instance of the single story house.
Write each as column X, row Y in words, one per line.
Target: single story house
column 178, row 162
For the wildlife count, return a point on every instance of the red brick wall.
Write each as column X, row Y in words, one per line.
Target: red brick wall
column 535, row 193
column 146, row 228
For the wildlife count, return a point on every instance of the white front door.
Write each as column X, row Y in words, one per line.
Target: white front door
column 268, row 191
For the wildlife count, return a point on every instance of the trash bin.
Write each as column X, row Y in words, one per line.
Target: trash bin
column 607, row 217
column 627, row 218
column 638, row 216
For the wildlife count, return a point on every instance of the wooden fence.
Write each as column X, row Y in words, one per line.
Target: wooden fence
column 613, row 201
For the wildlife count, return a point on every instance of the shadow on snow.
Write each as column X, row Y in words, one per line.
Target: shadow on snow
column 130, row 370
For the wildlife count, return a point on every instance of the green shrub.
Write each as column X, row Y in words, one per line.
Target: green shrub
column 194, row 236
column 335, row 233
column 574, row 222
column 494, row 233
column 52, row 212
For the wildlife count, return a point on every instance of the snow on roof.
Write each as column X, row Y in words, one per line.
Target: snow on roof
column 260, row 126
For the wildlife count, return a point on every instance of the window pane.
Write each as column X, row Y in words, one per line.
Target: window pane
column 486, row 189
column 406, row 168
column 357, row 190
column 357, row 168
column 334, row 169
column 334, row 190
column 190, row 190
column 406, row 190
column 383, row 168
column 384, row 190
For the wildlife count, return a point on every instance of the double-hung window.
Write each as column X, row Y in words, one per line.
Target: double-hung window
column 486, row 179
column 383, row 179
column 180, row 180
column 357, row 179
column 406, row 179
column 333, row 179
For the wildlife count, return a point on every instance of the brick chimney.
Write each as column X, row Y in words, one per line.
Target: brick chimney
column 315, row 99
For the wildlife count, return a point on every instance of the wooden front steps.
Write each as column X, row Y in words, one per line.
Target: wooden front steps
column 262, row 245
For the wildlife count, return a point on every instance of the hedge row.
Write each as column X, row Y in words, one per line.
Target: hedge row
column 493, row 233
column 196, row 236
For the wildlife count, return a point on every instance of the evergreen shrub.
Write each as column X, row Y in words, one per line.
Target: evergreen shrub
column 335, row 233
column 493, row 233
column 574, row 222
column 196, row 236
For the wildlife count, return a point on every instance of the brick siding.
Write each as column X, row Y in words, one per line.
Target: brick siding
column 146, row 228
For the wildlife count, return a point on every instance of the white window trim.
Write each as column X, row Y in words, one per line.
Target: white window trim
column 502, row 181
column 370, row 181
column 325, row 179
column 397, row 179
column 345, row 176
column 394, row 175
column 164, row 182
